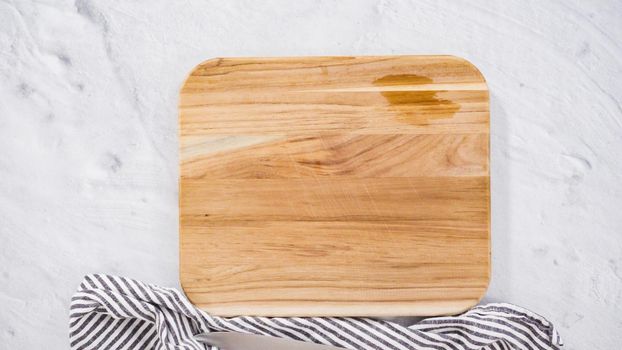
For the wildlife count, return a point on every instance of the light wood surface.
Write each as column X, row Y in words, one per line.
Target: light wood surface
column 334, row 186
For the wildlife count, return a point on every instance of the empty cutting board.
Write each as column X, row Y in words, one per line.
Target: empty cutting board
column 333, row 186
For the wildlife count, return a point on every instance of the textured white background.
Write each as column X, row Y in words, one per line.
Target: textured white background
column 88, row 149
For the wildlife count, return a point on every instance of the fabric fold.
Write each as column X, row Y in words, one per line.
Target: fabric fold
column 110, row 312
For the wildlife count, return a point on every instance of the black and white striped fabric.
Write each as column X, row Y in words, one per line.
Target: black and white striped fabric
column 109, row 312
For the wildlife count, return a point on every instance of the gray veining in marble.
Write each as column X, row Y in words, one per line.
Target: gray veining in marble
column 88, row 148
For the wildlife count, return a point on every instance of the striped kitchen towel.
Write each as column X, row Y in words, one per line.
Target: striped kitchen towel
column 109, row 312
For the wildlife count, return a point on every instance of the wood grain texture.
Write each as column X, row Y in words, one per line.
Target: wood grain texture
column 341, row 186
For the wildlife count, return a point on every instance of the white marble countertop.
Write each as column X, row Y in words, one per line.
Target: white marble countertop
column 88, row 148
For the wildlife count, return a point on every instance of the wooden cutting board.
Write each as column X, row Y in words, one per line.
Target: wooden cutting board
column 334, row 186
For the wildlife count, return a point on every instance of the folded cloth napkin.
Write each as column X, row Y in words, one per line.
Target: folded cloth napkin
column 109, row 312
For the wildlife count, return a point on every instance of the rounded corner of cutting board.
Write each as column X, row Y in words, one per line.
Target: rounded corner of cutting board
column 203, row 65
column 471, row 66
